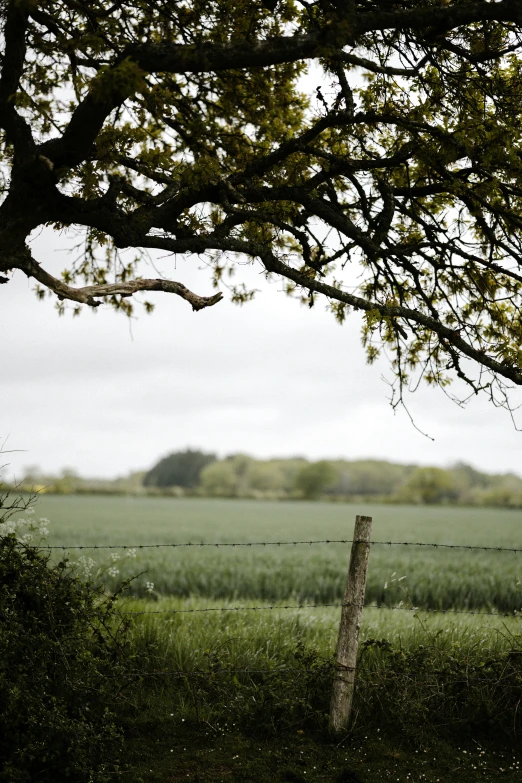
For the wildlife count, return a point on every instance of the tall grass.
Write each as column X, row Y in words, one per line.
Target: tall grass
column 185, row 640
column 416, row 672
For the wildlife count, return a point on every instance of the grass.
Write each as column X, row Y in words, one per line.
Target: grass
column 438, row 695
column 181, row 752
column 436, row 578
column 268, row 637
column 435, row 700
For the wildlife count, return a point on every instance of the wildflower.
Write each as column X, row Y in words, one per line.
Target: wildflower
column 130, row 553
column 115, row 556
column 86, row 565
column 114, row 571
column 149, row 586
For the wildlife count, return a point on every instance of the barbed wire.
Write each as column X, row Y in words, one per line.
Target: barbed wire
column 211, row 672
column 235, row 608
column 218, row 545
column 378, row 679
column 515, row 614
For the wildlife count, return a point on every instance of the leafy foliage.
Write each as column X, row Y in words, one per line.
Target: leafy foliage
column 183, row 128
column 181, row 469
column 61, row 661
column 313, row 479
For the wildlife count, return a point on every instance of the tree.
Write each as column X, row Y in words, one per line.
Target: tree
column 314, row 478
column 265, row 477
column 369, row 477
column 428, row 485
column 219, row 478
column 182, row 127
column 180, row 469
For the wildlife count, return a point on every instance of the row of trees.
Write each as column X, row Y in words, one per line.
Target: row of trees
column 243, row 476
column 193, row 472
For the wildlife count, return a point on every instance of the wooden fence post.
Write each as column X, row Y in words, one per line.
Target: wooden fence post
column 351, row 613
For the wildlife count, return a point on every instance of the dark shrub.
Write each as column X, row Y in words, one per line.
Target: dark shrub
column 181, row 469
column 61, row 667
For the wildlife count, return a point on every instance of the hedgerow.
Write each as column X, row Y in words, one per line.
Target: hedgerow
column 62, row 660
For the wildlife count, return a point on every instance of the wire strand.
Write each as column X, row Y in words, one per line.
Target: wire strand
column 333, row 669
column 270, row 607
column 218, row 545
column 210, row 672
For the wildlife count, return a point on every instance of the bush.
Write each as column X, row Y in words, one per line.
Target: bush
column 61, row 667
column 181, row 469
column 316, row 477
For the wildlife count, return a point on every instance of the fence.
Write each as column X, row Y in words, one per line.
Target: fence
column 351, row 607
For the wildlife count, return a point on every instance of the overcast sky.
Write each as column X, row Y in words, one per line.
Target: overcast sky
column 106, row 396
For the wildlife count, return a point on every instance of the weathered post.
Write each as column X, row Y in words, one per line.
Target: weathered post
column 351, row 613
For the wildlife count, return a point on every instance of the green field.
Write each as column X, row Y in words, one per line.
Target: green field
column 434, row 578
column 437, row 694
column 188, row 580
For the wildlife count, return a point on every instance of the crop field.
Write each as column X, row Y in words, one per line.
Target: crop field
column 430, row 578
column 215, row 687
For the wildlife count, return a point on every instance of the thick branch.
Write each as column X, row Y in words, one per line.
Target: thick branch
column 443, row 18
column 90, row 294
column 176, row 58
column 88, row 118
column 18, row 132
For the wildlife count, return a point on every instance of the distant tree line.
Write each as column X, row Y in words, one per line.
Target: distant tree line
column 196, row 473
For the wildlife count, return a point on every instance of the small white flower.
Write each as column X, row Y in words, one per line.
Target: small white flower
column 149, row 586
column 130, row 553
column 114, row 571
column 115, row 556
column 86, row 564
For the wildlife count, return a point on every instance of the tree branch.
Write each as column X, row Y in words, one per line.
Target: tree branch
column 17, row 130
column 90, row 294
column 88, row 118
column 369, row 65
column 394, row 311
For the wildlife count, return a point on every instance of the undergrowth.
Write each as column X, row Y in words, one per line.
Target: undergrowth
column 416, row 683
column 62, row 666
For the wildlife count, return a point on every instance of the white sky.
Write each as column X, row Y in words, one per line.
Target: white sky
column 272, row 378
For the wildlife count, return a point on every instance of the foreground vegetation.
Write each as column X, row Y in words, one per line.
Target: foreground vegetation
column 205, row 695
column 435, row 700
